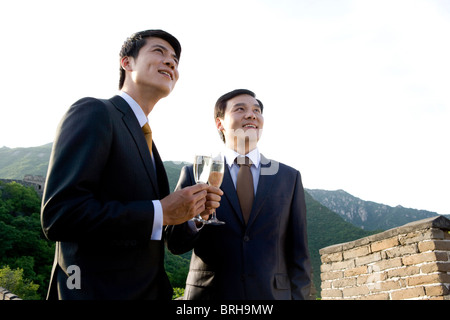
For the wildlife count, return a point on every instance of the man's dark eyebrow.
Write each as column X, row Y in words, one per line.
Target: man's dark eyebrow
column 242, row 104
column 165, row 49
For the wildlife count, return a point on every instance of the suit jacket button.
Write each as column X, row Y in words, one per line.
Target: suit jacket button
column 246, row 238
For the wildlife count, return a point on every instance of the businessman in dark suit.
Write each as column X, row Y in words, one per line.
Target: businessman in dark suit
column 261, row 251
column 107, row 196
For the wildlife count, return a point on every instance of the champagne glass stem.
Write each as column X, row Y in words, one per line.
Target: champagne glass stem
column 214, row 221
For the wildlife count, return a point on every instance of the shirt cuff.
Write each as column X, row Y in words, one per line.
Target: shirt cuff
column 157, row 221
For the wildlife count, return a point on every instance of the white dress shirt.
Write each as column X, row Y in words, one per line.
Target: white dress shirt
column 158, row 214
column 255, row 157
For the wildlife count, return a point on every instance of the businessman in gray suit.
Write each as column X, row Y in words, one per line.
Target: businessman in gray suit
column 261, row 251
column 107, row 196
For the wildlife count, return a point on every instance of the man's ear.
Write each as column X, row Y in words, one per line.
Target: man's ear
column 125, row 63
column 219, row 125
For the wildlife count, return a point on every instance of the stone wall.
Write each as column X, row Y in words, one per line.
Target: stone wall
column 36, row 182
column 6, row 295
column 408, row 262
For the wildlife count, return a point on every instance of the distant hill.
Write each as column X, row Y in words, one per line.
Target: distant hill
column 173, row 169
column 367, row 214
column 15, row 163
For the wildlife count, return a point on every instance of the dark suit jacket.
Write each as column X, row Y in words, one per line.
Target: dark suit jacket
column 98, row 206
column 267, row 259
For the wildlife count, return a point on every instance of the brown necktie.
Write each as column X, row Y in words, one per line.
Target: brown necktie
column 148, row 136
column 244, row 187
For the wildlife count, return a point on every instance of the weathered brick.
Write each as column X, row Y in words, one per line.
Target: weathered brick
column 371, row 276
column 325, row 267
column 362, row 279
column 447, row 297
column 434, row 245
column 388, row 264
column 421, row 235
column 372, row 280
column 403, row 271
column 325, row 285
column 426, row 279
column 331, row 257
column 401, row 251
column 345, row 282
column 10, row 296
column 331, row 293
column 355, row 271
column 357, row 252
column 346, row 264
column 385, row 286
column 407, row 293
column 424, row 257
column 435, row 267
column 375, row 296
column 436, row 233
column 331, row 275
column 384, row 244
column 439, row 290
column 355, row 291
column 368, row 259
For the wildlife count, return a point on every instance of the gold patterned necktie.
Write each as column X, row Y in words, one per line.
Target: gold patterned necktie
column 244, row 186
column 148, row 136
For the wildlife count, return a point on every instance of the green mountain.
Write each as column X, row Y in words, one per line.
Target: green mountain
column 367, row 215
column 15, row 163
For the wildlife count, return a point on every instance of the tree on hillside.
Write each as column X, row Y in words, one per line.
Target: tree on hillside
column 13, row 281
column 23, row 245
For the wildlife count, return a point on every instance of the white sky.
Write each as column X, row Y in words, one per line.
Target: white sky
column 356, row 93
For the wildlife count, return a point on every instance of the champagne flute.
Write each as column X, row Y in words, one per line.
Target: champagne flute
column 201, row 168
column 215, row 179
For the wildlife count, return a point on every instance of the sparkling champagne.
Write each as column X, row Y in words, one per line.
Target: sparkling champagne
column 216, row 175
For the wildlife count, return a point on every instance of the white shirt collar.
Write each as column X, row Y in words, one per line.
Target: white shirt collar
column 231, row 155
column 138, row 112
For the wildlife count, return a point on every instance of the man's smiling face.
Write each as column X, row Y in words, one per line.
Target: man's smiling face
column 156, row 66
column 243, row 121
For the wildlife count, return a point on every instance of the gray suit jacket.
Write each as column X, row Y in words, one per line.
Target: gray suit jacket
column 97, row 206
column 266, row 259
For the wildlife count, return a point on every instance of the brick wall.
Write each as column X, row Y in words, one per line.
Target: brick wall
column 408, row 262
column 6, row 295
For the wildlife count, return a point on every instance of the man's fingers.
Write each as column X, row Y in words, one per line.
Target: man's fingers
column 215, row 190
column 197, row 188
column 213, row 197
column 200, row 206
column 188, row 202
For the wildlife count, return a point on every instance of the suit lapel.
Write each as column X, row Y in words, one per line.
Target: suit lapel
column 136, row 132
column 163, row 181
column 230, row 193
